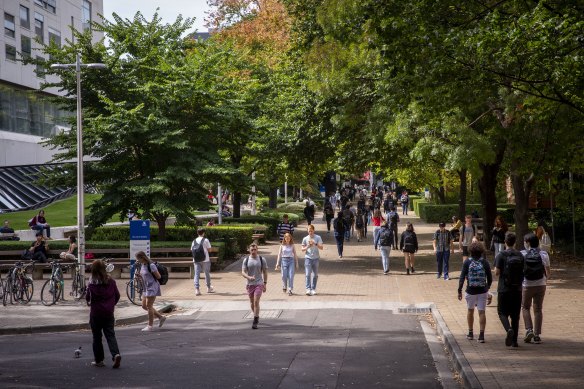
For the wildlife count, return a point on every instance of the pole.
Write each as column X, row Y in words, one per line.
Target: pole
column 80, row 184
column 552, row 210
column 286, row 191
column 219, row 204
column 253, row 196
column 573, row 221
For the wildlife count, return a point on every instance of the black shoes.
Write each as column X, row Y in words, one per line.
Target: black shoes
column 509, row 337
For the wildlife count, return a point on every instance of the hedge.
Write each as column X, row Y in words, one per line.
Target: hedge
column 292, row 217
column 271, row 223
column 436, row 213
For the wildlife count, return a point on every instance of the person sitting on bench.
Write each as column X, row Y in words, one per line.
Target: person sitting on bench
column 6, row 229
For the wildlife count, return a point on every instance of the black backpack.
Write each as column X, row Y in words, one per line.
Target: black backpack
column 513, row 270
column 359, row 221
column 385, row 237
column 339, row 225
column 162, row 270
column 199, row 251
column 393, row 218
column 409, row 240
column 533, row 268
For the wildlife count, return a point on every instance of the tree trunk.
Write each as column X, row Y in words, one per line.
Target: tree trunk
column 439, row 192
column 273, row 203
column 161, row 221
column 237, row 204
column 522, row 189
column 488, row 191
column 462, row 195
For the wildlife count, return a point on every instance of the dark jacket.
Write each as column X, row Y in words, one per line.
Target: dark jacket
column 102, row 298
column 402, row 243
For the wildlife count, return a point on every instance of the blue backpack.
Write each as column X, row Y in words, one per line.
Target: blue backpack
column 477, row 276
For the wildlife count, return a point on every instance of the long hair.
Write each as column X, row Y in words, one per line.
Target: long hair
column 500, row 222
column 98, row 273
column 287, row 235
column 141, row 255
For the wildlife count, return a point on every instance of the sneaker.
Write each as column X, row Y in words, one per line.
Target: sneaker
column 489, row 299
column 469, row 336
column 210, row 290
column 439, row 276
column 147, row 329
column 536, row 339
column 481, row 338
column 98, row 364
column 117, row 361
column 290, row 292
column 386, row 272
column 408, row 272
column 313, row 292
column 413, row 270
column 514, row 344
column 284, row 290
column 308, row 292
column 528, row 336
column 161, row 321
column 197, row 292
column 254, row 326
column 446, row 278
column 509, row 337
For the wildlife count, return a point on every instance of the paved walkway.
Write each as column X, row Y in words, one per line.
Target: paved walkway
column 358, row 277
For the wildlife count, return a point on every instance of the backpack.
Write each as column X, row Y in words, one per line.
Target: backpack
column 261, row 262
column 393, row 218
column 513, row 271
column 199, row 251
column 32, row 222
column 409, row 240
column 477, row 277
column 533, row 268
column 339, row 225
column 359, row 221
column 162, row 270
column 385, row 237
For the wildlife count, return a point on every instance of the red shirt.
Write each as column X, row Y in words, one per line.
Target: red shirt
column 377, row 221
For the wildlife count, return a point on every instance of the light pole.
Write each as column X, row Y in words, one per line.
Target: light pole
column 80, row 205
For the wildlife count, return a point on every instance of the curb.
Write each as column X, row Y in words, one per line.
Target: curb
column 78, row 326
column 469, row 378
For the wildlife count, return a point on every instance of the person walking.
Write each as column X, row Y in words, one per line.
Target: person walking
column 468, row 234
column 309, row 212
column 102, row 296
column 384, row 242
column 360, row 225
column 536, row 273
column 409, row 245
column 404, row 199
column 443, row 246
column 150, row 275
column 509, row 267
column 349, row 219
column 339, row 231
column 288, row 260
column 393, row 219
column 477, row 273
column 204, row 266
column 376, row 220
column 329, row 214
column 311, row 244
column 285, row 227
column 255, row 270
column 498, row 235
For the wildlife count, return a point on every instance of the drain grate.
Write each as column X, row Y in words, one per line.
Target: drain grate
column 265, row 314
column 414, row 310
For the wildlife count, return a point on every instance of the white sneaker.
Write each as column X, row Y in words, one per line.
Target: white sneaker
column 308, row 292
column 147, row 328
column 210, row 290
column 313, row 292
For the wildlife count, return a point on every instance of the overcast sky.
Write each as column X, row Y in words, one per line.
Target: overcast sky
column 169, row 10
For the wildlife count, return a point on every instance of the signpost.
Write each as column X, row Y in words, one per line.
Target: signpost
column 139, row 241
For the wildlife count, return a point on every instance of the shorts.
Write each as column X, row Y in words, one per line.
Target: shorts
column 465, row 252
column 255, row 290
column 476, row 300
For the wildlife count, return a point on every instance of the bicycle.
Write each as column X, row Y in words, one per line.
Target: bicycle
column 18, row 286
column 53, row 289
column 135, row 287
column 79, row 282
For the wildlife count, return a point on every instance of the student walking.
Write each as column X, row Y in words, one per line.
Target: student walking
column 468, row 234
column 102, row 296
column 498, row 235
column 309, row 212
column 311, row 244
column 509, row 267
column 339, row 230
column 329, row 214
column 255, row 270
column 443, row 246
column 384, row 242
column 377, row 219
column 150, row 275
column 393, row 219
column 205, row 265
column 288, row 260
column 360, row 225
column 285, row 227
column 409, row 245
column 404, row 199
column 477, row 273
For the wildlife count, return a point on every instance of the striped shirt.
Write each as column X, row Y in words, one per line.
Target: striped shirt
column 443, row 240
column 283, row 228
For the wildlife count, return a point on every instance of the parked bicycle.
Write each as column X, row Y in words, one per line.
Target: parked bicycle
column 79, row 281
column 18, row 286
column 135, row 287
column 54, row 288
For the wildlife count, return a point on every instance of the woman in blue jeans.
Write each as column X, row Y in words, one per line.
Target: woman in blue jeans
column 339, row 229
column 289, row 260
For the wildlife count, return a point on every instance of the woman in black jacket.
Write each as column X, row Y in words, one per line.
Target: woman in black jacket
column 409, row 245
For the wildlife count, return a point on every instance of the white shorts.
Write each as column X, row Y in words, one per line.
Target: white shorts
column 476, row 300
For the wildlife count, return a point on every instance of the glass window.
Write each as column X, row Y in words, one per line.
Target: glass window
column 24, row 17
column 49, row 5
column 25, row 46
column 40, row 68
column 39, row 27
column 9, row 26
column 10, row 53
column 86, row 15
column 55, row 37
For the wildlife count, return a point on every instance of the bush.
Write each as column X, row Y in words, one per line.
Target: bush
column 436, row 213
column 292, row 217
column 271, row 223
column 411, row 203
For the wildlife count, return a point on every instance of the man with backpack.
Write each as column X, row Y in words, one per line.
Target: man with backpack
column 404, row 200
column 443, row 246
column 339, row 230
column 536, row 272
column 509, row 267
column 393, row 218
column 349, row 219
column 309, row 212
column 468, row 234
column 255, row 270
column 384, row 241
column 200, row 250
column 477, row 273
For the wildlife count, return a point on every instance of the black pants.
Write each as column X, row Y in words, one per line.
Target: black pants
column 340, row 238
column 394, row 229
column 105, row 324
column 509, row 305
column 328, row 222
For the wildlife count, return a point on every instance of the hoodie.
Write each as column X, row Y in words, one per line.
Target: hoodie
column 102, row 298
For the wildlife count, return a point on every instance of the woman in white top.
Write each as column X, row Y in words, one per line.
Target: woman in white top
column 289, row 260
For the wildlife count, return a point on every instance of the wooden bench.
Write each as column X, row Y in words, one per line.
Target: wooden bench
column 259, row 234
column 478, row 223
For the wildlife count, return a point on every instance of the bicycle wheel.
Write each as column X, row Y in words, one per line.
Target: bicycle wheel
column 1, row 289
column 79, row 288
column 134, row 290
column 28, row 290
column 50, row 292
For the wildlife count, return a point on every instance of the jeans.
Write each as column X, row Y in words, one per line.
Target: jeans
column 288, row 273
column 41, row 228
column 509, row 305
column 442, row 257
column 535, row 294
column 311, row 266
column 395, row 240
column 347, row 230
column 404, row 208
column 385, row 251
column 340, row 242
column 105, row 324
column 206, row 267
column 376, row 231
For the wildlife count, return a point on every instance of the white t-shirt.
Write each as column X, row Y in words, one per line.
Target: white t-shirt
column 545, row 258
column 312, row 252
column 206, row 246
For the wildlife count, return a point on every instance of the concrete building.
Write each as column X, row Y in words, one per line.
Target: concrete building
column 26, row 115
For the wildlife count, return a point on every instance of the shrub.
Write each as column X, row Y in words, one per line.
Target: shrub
column 292, row 217
column 436, row 213
column 411, row 203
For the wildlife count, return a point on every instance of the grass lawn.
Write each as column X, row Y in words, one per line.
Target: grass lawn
column 58, row 214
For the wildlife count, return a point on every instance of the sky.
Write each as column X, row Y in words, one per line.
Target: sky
column 169, row 10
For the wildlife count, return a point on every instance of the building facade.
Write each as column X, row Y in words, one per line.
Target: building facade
column 27, row 116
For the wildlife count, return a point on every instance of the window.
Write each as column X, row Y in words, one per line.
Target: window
column 25, row 46
column 86, row 15
column 24, row 17
column 40, row 67
column 9, row 26
column 49, row 5
column 10, row 53
column 54, row 37
column 39, row 27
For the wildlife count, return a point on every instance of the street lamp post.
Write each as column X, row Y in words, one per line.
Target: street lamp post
column 80, row 185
